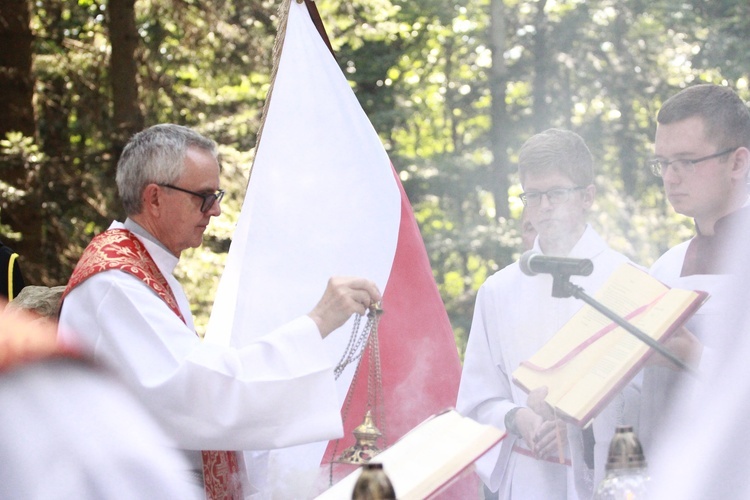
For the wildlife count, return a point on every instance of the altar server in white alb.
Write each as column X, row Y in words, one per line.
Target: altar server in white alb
column 702, row 154
column 515, row 315
column 125, row 308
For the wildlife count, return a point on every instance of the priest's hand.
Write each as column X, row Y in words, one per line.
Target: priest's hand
column 343, row 297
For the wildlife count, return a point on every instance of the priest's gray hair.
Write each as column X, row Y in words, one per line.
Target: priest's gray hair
column 155, row 156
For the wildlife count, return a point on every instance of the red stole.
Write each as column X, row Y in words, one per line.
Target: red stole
column 120, row 249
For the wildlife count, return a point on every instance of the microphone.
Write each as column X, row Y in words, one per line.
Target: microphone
column 533, row 263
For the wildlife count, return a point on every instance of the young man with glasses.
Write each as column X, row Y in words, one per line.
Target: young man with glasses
column 124, row 307
column 702, row 154
column 515, row 315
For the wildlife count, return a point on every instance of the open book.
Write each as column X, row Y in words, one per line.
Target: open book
column 427, row 457
column 590, row 359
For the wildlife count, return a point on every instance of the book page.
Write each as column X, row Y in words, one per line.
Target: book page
column 624, row 292
column 623, row 354
column 602, row 376
column 602, row 357
column 581, row 372
column 428, row 456
column 628, row 288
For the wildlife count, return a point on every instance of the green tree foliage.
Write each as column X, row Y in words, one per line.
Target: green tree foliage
column 423, row 71
column 601, row 68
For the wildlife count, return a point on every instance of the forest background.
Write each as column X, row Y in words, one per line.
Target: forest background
column 453, row 87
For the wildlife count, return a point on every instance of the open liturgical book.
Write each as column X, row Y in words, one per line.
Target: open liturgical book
column 428, row 457
column 590, row 359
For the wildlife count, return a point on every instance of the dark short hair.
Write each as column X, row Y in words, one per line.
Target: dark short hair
column 725, row 116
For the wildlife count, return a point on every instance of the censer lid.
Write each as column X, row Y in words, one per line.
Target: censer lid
column 367, row 430
column 366, row 435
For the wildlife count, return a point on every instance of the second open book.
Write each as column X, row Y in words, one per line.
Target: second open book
column 590, row 359
column 427, row 458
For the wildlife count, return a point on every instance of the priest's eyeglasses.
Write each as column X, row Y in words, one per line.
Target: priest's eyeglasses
column 555, row 196
column 208, row 199
column 681, row 166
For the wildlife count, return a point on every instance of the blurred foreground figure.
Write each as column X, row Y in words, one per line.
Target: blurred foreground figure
column 702, row 154
column 70, row 430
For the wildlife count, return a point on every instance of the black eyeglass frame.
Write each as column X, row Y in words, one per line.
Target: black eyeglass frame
column 525, row 200
column 207, row 200
column 658, row 166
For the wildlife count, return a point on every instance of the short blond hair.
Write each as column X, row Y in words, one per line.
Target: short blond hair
column 557, row 150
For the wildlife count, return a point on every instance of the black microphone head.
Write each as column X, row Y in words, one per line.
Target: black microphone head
column 586, row 267
column 523, row 262
column 533, row 263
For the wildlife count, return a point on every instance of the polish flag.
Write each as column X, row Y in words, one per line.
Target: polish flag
column 323, row 199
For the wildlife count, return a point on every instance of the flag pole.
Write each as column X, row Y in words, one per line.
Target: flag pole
column 318, row 22
column 278, row 45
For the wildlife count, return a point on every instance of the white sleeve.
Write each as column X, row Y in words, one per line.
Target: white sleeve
column 485, row 393
column 276, row 392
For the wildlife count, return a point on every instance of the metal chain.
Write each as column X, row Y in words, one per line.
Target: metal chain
column 354, row 351
column 377, row 389
column 344, row 414
column 346, row 357
column 356, row 346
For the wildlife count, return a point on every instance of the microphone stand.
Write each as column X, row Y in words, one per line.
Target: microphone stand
column 563, row 288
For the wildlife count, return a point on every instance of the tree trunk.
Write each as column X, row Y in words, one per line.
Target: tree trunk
column 123, row 36
column 16, row 82
column 41, row 244
column 626, row 137
column 541, row 110
column 16, row 109
column 499, row 180
column 127, row 117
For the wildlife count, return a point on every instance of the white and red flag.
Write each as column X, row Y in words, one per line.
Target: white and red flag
column 323, row 199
